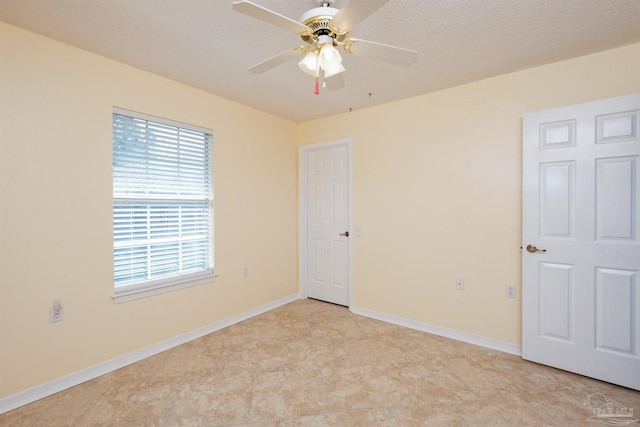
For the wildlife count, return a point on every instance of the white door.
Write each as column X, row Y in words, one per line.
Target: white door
column 581, row 210
column 325, row 178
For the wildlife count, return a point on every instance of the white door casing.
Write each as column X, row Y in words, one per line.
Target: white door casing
column 581, row 297
column 325, row 218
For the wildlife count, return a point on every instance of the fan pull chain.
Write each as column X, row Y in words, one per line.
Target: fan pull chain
column 317, row 89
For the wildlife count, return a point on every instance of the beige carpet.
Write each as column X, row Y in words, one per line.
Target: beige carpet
column 315, row 364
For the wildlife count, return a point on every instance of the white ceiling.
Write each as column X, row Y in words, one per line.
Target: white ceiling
column 205, row 44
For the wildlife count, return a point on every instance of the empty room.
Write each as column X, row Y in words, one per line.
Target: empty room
column 319, row 213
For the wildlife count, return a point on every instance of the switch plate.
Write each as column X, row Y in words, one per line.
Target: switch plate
column 56, row 311
column 460, row 284
column 358, row 230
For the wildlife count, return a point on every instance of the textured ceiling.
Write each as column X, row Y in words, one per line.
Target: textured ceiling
column 205, row 44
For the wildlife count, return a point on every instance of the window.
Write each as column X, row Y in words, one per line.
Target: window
column 162, row 205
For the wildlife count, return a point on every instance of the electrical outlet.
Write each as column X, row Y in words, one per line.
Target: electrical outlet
column 510, row 291
column 56, row 311
column 245, row 271
column 460, row 284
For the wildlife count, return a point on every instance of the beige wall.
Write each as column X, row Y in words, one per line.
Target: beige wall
column 55, row 195
column 437, row 190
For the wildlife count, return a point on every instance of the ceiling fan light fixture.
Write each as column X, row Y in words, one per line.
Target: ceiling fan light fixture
column 330, row 60
column 328, row 52
column 309, row 64
column 332, row 68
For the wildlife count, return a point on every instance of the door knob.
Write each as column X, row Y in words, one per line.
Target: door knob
column 533, row 249
column 346, row 234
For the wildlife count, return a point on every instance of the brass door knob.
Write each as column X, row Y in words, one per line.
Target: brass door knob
column 346, row 234
column 533, row 249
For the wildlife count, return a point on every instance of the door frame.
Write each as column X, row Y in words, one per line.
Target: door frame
column 303, row 169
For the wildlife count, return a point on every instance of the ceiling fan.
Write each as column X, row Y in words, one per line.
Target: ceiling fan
column 323, row 29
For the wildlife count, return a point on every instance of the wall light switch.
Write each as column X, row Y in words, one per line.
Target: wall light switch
column 56, row 311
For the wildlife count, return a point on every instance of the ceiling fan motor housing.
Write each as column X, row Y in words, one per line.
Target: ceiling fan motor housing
column 318, row 20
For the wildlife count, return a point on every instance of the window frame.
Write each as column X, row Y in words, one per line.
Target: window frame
column 149, row 287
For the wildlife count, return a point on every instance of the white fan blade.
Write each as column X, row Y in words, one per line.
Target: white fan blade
column 383, row 52
column 354, row 12
column 280, row 58
column 266, row 15
column 335, row 82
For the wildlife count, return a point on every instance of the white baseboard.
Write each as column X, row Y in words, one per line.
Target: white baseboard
column 47, row 389
column 505, row 347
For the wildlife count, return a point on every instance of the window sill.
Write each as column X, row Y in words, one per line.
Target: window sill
column 143, row 291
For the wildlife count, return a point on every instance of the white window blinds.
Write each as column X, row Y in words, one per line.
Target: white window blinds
column 162, row 202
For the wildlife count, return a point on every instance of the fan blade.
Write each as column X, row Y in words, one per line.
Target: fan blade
column 280, row 58
column 335, row 82
column 266, row 15
column 383, row 52
column 354, row 12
